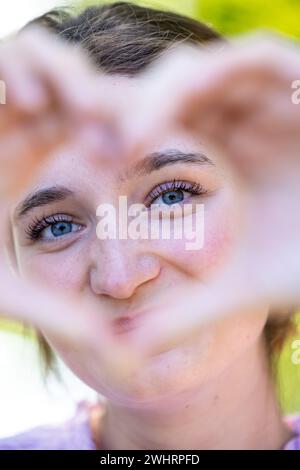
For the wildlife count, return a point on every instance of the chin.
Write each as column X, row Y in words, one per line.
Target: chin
column 166, row 381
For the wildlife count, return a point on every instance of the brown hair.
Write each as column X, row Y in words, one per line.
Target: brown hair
column 123, row 38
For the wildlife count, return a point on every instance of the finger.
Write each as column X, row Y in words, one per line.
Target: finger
column 24, row 149
column 68, row 72
column 24, row 91
column 240, row 288
column 73, row 322
column 191, row 85
column 171, row 323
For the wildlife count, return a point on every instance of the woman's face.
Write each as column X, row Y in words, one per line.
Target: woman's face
column 54, row 234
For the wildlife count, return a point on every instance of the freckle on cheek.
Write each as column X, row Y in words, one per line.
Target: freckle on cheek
column 218, row 241
column 217, row 247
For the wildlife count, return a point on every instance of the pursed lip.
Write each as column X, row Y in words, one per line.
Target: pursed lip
column 128, row 322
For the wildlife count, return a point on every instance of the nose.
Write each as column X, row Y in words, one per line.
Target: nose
column 118, row 269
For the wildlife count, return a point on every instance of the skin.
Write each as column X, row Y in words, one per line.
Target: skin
column 156, row 406
column 120, row 275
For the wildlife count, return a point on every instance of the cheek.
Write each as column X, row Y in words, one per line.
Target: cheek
column 221, row 230
column 219, row 240
column 220, row 236
column 60, row 270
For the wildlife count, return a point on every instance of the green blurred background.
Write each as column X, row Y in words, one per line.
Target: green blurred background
column 232, row 17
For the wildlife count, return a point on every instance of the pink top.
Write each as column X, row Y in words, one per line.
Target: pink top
column 77, row 434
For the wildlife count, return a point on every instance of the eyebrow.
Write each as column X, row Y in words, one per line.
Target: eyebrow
column 42, row 197
column 157, row 160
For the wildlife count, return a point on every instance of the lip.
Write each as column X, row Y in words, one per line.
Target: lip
column 128, row 322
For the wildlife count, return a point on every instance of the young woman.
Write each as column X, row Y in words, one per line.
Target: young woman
column 209, row 125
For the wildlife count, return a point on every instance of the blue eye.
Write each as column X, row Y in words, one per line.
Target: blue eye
column 61, row 228
column 58, row 230
column 173, row 197
column 52, row 228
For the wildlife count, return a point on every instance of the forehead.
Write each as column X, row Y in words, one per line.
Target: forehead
column 74, row 163
column 75, row 168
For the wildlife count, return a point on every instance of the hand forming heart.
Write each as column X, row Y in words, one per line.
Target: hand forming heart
column 238, row 98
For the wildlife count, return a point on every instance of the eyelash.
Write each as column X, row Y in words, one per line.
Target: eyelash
column 192, row 187
column 35, row 229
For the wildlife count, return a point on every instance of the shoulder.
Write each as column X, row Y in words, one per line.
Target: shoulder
column 293, row 422
column 75, row 434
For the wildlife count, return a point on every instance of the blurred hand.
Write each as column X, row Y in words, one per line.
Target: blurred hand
column 239, row 99
column 54, row 97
